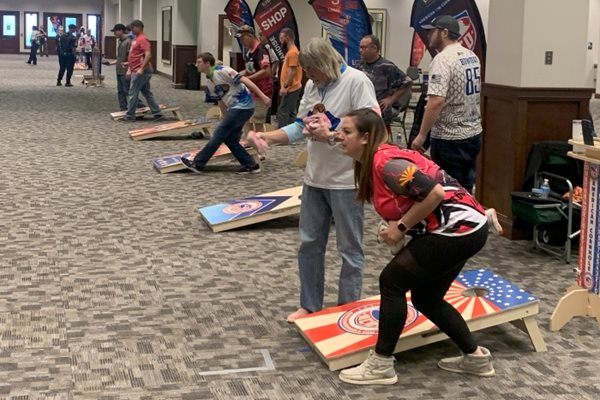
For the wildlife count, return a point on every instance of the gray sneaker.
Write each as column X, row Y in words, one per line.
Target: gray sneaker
column 470, row 364
column 375, row 370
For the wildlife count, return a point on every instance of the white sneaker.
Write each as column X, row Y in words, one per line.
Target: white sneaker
column 375, row 370
column 493, row 223
column 470, row 364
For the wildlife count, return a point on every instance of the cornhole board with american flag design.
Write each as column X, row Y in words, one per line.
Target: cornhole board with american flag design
column 342, row 336
column 146, row 110
column 178, row 128
column 173, row 163
column 252, row 210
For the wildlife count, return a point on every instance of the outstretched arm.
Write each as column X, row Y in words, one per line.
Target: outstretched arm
column 252, row 86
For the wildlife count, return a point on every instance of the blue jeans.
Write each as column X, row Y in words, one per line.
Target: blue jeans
column 458, row 158
column 122, row 91
column 141, row 84
column 316, row 211
column 229, row 131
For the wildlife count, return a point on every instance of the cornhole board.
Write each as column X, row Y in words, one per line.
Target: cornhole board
column 118, row 115
column 342, row 336
column 173, row 163
column 252, row 210
column 80, row 66
column 177, row 128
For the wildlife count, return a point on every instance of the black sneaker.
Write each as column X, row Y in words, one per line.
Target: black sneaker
column 68, row 84
column 189, row 164
column 128, row 119
column 158, row 117
column 248, row 170
column 58, row 83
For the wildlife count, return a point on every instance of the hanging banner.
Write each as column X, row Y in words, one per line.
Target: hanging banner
column 238, row 13
column 418, row 50
column 465, row 12
column 345, row 22
column 271, row 17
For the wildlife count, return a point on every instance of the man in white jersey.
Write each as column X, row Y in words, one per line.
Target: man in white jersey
column 333, row 90
column 453, row 107
column 452, row 113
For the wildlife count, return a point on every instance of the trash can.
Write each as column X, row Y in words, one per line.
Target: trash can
column 192, row 81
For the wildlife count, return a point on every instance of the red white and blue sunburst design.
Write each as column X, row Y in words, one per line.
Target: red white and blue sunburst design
column 344, row 330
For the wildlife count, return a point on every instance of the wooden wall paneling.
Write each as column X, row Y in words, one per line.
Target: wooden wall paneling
column 110, row 47
column 182, row 55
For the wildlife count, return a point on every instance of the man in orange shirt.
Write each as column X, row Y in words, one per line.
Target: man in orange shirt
column 290, row 81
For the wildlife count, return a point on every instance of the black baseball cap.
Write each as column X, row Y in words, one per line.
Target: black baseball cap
column 444, row 22
column 136, row 22
column 119, row 27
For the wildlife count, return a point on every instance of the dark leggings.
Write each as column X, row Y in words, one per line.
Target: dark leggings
column 427, row 266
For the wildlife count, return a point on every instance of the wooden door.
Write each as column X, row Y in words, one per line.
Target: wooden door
column 9, row 32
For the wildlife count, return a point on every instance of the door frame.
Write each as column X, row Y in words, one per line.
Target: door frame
column 17, row 37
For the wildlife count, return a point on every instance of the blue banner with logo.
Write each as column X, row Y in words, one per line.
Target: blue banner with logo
column 238, row 13
column 468, row 17
column 272, row 16
column 346, row 22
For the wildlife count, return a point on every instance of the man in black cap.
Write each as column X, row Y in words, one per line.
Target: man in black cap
column 452, row 113
column 124, row 45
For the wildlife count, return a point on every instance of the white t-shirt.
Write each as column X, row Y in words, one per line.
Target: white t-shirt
column 455, row 73
column 327, row 167
column 225, row 85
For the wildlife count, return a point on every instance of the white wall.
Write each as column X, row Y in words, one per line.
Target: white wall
column 594, row 38
column 568, row 40
column 504, row 40
column 58, row 6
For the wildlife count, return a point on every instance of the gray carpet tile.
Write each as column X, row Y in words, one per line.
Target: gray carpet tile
column 112, row 287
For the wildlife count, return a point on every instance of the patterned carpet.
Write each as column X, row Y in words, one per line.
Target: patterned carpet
column 112, row 287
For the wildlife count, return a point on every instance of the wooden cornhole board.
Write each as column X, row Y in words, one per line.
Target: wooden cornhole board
column 342, row 336
column 173, row 163
column 145, row 110
column 177, row 128
column 252, row 210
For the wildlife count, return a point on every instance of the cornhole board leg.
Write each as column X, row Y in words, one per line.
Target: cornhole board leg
column 252, row 210
column 178, row 115
column 577, row 302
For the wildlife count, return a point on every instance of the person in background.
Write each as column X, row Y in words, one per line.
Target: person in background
column 123, row 48
column 448, row 227
column 391, row 83
column 291, row 79
column 275, row 63
column 258, row 70
column 43, row 37
column 139, row 70
column 89, row 42
column 66, row 43
column 34, row 42
column 80, row 45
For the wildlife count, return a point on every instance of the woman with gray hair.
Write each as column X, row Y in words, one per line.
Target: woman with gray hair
column 333, row 90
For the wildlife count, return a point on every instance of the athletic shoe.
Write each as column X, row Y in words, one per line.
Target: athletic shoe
column 301, row 312
column 375, row 370
column 189, row 164
column 68, row 84
column 128, row 119
column 493, row 223
column 470, row 364
column 248, row 170
column 58, row 83
column 158, row 117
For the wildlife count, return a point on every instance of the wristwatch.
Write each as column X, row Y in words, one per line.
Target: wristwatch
column 402, row 227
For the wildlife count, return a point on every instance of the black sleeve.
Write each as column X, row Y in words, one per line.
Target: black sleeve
column 406, row 179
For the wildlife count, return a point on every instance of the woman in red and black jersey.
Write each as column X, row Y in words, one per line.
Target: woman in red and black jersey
column 448, row 226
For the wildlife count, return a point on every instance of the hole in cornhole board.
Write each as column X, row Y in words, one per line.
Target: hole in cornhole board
column 475, row 292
